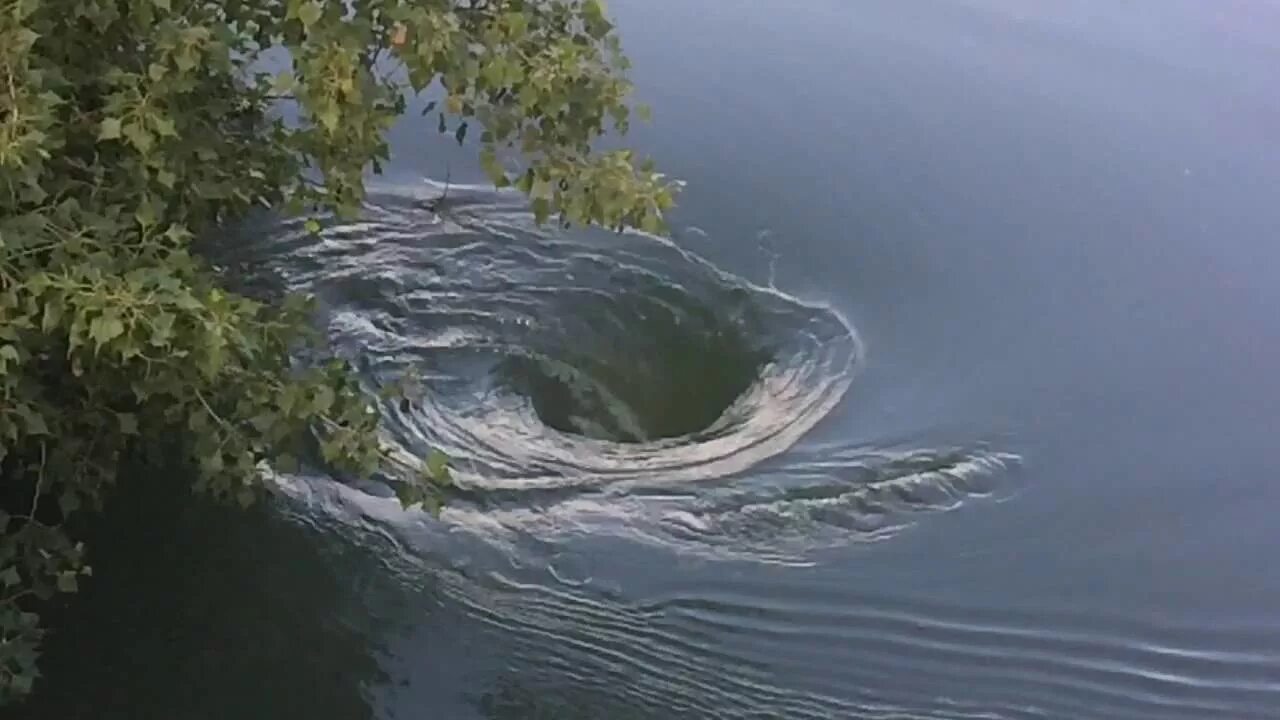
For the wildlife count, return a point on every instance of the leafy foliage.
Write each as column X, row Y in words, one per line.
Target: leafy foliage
column 128, row 127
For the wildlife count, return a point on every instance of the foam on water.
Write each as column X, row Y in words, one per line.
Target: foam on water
column 588, row 383
column 610, row 396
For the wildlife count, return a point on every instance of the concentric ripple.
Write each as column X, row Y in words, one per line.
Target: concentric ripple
column 595, row 382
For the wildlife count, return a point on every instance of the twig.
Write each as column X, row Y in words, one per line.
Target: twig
column 17, row 596
column 434, row 203
column 35, row 501
column 212, row 414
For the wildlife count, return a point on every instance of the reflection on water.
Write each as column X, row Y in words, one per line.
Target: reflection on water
column 199, row 611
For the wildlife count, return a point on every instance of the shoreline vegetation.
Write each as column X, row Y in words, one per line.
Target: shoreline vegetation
column 128, row 128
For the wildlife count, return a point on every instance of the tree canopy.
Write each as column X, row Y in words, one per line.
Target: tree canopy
column 128, row 128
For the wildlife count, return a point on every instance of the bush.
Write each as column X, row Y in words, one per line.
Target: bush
column 129, row 127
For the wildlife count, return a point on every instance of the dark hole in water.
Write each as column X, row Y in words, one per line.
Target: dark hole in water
column 655, row 371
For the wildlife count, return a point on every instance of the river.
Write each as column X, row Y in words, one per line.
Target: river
column 950, row 396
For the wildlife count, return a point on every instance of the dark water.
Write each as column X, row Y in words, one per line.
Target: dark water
column 951, row 397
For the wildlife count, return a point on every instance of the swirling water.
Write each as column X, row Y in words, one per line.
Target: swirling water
column 555, row 367
column 959, row 406
column 589, row 383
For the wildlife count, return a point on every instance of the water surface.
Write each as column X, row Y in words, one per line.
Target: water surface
column 948, row 398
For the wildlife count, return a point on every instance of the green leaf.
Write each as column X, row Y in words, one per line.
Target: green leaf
column 69, row 502
column 283, row 84
column 34, row 421
column 408, row 494
column 286, row 463
column 431, row 503
column 128, row 423
column 541, row 210
column 161, row 328
column 109, row 129
column 105, row 328
column 139, row 137
column 178, row 233
column 438, row 465
column 310, row 13
column 67, row 582
column 491, row 165
column 541, row 190
column 146, row 215
column 329, row 118
column 10, row 577
column 212, row 463
column 33, row 194
column 22, row 683
column 51, row 316
column 164, row 126
column 313, row 226
column 323, row 400
column 186, row 59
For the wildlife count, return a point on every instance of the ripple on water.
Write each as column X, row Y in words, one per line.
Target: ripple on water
column 592, row 382
column 807, row 646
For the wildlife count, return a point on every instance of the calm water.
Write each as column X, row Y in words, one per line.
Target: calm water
column 951, row 398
